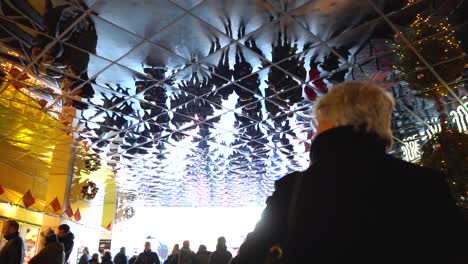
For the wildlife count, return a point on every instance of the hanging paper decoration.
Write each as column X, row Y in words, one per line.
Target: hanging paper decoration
column 55, row 204
column 89, row 190
column 19, row 77
column 77, row 215
column 69, row 211
column 314, row 76
column 129, row 212
column 311, row 95
column 28, row 199
column 92, row 162
column 43, row 103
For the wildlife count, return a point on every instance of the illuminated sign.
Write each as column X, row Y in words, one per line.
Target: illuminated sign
column 412, row 145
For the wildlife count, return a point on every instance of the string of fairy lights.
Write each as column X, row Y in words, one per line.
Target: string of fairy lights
column 435, row 41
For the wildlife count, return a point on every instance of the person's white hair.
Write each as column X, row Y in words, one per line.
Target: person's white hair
column 358, row 104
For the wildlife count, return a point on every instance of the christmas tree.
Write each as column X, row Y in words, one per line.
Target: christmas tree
column 435, row 42
column 446, row 151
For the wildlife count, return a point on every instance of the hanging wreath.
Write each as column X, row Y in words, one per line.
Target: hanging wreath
column 129, row 212
column 92, row 162
column 89, row 190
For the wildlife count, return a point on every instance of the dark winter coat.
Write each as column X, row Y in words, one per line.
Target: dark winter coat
column 356, row 204
column 84, row 259
column 106, row 261
column 67, row 241
column 149, row 257
column 186, row 256
column 13, row 251
column 132, row 260
column 52, row 253
column 120, row 258
column 220, row 256
column 202, row 257
column 171, row 259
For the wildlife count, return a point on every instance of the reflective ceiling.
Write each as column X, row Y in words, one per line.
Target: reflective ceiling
column 207, row 102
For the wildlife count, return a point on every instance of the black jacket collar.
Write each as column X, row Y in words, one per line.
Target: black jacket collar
column 12, row 235
column 51, row 239
column 345, row 141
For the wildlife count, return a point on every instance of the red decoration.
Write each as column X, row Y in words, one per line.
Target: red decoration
column 379, row 76
column 2, row 191
column 55, row 204
column 69, row 211
column 77, row 215
column 382, row 59
column 314, row 75
column 387, row 84
column 43, row 103
column 19, row 76
column 28, row 199
column 310, row 93
column 109, row 226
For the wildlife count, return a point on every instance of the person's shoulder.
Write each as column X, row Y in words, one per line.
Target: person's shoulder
column 71, row 236
column 18, row 237
column 415, row 176
column 288, row 180
column 409, row 169
column 18, row 240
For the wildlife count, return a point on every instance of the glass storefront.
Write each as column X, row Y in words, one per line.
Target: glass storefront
column 30, row 234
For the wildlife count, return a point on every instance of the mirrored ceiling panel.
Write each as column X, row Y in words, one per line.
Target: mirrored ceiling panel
column 207, row 103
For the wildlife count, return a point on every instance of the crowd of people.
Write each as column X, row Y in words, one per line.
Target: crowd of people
column 355, row 203
column 178, row 255
column 58, row 247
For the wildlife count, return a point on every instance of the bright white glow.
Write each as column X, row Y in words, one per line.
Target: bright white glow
column 172, row 225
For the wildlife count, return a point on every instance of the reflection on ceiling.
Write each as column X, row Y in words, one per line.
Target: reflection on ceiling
column 206, row 102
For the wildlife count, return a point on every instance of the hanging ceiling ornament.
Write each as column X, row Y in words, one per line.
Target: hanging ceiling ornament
column 129, row 212
column 89, row 190
column 92, row 162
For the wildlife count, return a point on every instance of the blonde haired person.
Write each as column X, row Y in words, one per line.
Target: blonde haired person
column 355, row 203
column 85, row 257
column 363, row 106
column 172, row 258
